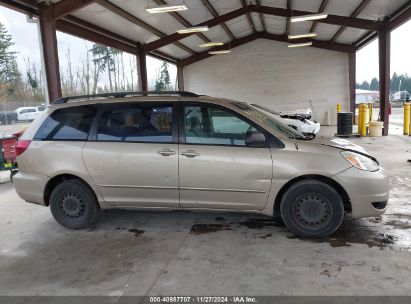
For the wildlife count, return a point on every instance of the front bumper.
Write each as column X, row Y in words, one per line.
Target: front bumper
column 368, row 191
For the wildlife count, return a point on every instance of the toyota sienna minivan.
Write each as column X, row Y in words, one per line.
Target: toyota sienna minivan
column 179, row 150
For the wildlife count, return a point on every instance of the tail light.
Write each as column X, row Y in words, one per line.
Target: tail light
column 22, row 146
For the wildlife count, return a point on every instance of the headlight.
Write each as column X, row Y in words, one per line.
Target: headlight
column 360, row 161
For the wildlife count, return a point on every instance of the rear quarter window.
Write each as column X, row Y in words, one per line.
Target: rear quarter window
column 72, row 123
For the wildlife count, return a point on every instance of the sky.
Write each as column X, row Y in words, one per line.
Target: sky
column 367, row 57
column 26, row 43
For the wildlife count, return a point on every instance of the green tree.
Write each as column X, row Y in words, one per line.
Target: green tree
column 9, row 73
column 365, row 85
column 395, row 82
column 104, row 58
column 374, row 85
column 163, row 80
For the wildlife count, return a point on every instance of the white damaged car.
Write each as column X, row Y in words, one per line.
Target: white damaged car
column 299, row 120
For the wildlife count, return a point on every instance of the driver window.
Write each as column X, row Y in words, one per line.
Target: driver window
column 214, row 126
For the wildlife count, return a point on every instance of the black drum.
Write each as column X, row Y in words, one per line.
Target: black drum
column 344, row 123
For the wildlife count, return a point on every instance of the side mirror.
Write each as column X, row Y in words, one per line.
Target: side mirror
column 255, row 139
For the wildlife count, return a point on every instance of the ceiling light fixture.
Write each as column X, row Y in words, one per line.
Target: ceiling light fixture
column 194, row 29
column 300, row 44
column 220, row 52
column 166, row 9
column 308, row 35
column 308, row 17
column 210, row 44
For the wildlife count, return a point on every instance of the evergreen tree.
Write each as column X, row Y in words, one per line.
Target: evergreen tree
column 104, row 58
column 163, row 80
column 9, row 74
column 365, row 85
column 395, row 82
column 374, row 85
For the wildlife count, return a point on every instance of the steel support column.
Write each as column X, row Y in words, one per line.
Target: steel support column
column 142, row 69
column 384, row 39
column 351, row 79
column 180, row 77
column 50, row 53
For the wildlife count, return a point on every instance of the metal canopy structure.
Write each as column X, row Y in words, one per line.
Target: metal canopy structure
column 125, row 25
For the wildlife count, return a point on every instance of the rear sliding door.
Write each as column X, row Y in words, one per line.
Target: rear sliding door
column 132, row 155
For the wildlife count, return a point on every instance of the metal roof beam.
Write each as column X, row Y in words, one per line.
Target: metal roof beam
column 204, row 55
column 316, row 43
column 133, row 19
column 249, row 18
column 331, row 19
column 213, row 12
column 182, row 20
column 281, row 38
column 210, row 23
column 65, row 7
column 355, row 13
column 321, row 9
column 400, row 16
column 288, row 21
column 262, row 20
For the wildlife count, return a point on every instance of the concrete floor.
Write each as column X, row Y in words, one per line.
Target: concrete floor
column 181, row 253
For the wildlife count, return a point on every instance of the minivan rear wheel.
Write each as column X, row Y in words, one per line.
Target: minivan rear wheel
column 312, row 208
column 73, row 204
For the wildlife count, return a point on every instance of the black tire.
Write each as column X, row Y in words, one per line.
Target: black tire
column 311, row 208
column 73, row 204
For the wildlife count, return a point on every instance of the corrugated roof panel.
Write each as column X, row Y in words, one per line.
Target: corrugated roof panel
column 225, row 6
column 196, row 12
column 326, row 31
column 275, row 3
column 162, row 22
column 257, row 22
column 300, row 27
column 174, row 51
column 342, row 7
column 275, row 25
column 377, row 9
column 350, row 35
column 193, row 41
column 304, row 5
column 98, row 15
column 239, row 26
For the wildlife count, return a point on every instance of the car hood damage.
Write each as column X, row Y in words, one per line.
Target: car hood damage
column 343, row 144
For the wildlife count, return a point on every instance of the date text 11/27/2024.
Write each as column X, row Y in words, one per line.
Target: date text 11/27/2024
column 203, row 299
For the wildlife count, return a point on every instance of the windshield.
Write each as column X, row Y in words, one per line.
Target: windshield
column 273, row 120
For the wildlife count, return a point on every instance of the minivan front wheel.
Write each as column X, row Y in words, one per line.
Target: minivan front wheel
column 73, row 204
column 312, row 208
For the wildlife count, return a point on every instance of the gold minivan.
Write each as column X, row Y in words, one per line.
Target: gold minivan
column 179, row 150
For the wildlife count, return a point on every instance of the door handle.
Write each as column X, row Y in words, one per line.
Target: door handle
column 166, row 152
column 190, row 153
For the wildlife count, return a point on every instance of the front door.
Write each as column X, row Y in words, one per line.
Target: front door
column 217, row 169
column 133, row 155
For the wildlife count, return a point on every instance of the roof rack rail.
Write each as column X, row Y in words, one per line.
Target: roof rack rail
column 124, row 94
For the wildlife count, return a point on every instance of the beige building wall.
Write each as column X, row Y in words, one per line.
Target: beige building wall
column 271, row 74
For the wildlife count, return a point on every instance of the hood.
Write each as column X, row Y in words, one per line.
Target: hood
column 342, row 144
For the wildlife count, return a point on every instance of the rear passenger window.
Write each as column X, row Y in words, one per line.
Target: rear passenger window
column 72, row 123
column 136, row 123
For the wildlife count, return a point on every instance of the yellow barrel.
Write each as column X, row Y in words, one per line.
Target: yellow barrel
column 370, row 108
column 407, row 116
column 363, row 120
column 359, row 117
column 338, row 107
